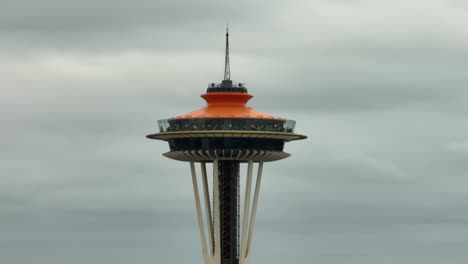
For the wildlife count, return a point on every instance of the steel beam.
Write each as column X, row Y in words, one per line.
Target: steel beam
column 216, row 220
column 245, row 216
column 209, row 218
column 254, row 210
column 199, row 213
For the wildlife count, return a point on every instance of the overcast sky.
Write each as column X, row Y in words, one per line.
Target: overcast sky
column 379, row 87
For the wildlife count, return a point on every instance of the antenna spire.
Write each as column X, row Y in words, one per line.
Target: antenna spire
column 227, row 67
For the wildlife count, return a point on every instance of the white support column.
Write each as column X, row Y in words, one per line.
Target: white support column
column 254, row 209
column 245, row 216
column 209, row 218
column 212, row 254
column 199, row 213
column 216, row 220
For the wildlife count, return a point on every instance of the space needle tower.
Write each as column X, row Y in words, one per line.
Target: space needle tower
column 218, row 138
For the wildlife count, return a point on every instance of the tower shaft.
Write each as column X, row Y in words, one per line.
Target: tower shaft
column 229, row 200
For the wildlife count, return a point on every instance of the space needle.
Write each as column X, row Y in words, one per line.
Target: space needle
column 218, row 138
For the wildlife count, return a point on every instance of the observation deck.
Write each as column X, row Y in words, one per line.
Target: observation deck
column 226, row 129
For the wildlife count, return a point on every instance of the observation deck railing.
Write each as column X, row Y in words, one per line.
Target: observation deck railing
column 237, row 124
column 233, row 85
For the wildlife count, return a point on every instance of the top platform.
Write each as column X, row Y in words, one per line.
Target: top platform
column 226, row 86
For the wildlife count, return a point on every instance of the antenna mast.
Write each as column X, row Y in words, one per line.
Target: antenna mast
column 227, row 67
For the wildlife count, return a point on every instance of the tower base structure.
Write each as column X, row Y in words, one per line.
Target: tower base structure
column 226, row 233
column 227, row 243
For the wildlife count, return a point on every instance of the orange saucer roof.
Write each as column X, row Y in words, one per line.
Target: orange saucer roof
column 227, row 105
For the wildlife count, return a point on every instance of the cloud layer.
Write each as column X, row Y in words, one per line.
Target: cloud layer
column 379, row 87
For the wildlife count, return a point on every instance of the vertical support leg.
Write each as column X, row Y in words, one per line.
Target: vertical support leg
column 199, row 213
column 246, row 212
column 254, row 208
column 212, row 253
column 209, row 218
column 216, row 220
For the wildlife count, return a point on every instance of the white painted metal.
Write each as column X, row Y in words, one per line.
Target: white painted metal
column 245, row 216
column 199, row 213
column 254, row 210
column 247, row 152
column 209, row 218
column 216, row 220
column 213, row 256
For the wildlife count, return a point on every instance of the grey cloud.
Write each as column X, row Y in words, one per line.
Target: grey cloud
column 378, row 86
column 64, row 16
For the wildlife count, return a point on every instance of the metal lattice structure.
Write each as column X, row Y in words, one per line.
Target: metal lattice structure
column 229, row 209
